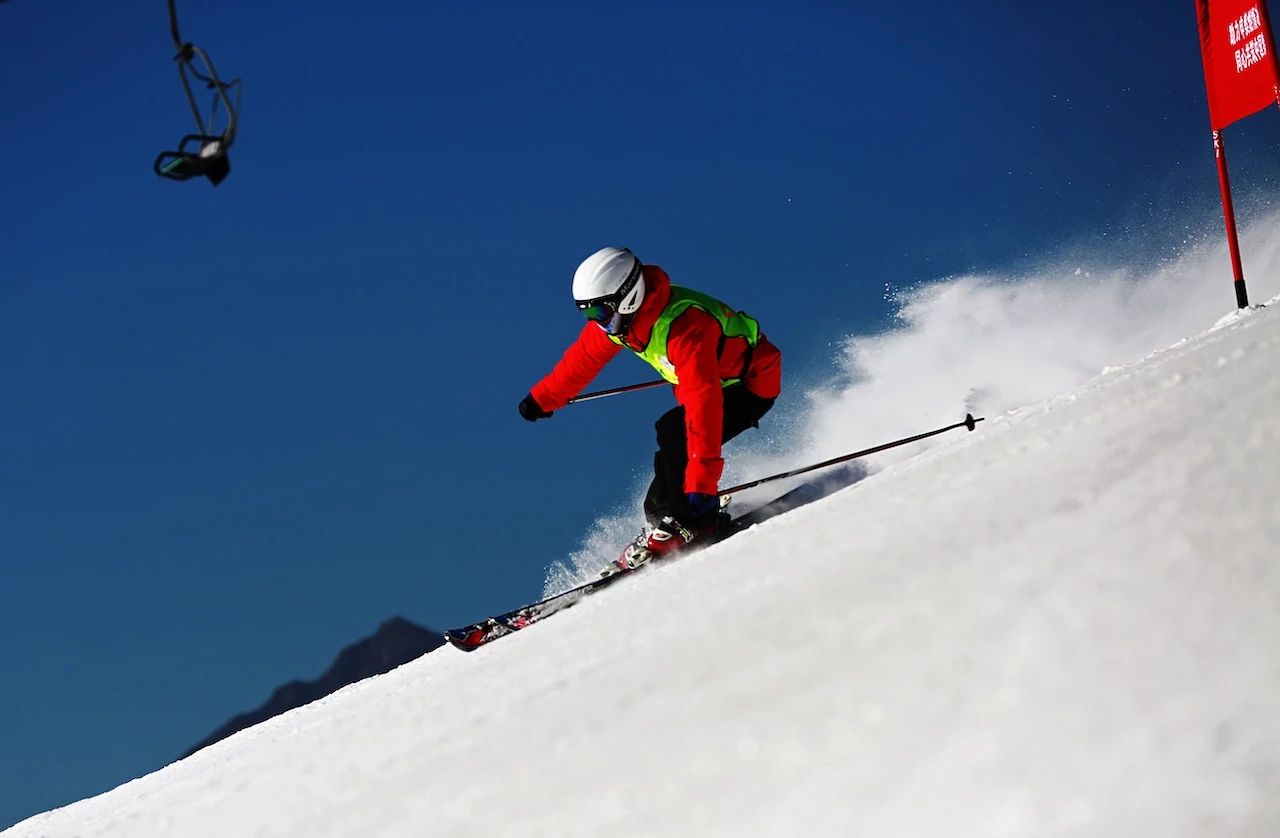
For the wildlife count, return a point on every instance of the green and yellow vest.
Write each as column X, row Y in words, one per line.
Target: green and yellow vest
column 733, row 324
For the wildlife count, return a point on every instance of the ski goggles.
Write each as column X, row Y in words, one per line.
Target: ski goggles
column 600, row 310
column 605, row 314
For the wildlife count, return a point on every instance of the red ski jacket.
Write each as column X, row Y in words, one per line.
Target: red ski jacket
column 702, row 357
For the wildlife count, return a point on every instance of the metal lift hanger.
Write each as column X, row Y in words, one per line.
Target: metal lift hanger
column 203, row 154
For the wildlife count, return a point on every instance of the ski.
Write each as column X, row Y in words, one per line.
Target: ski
column 471, row 637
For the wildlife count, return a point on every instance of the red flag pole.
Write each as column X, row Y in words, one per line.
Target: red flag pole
column 1229, row 215
column 1241, row 77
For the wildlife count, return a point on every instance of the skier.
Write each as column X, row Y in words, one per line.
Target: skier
column 725, row 373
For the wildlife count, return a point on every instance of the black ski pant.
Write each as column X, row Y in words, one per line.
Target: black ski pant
column 742, row 409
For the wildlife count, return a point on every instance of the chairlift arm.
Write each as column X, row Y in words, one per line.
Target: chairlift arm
column 213, row 81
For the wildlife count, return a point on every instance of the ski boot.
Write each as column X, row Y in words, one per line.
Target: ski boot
column 633, row 555
column 666, row 539
column 670, row 537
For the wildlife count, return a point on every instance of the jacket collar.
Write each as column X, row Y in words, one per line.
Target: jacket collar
column 657, row 293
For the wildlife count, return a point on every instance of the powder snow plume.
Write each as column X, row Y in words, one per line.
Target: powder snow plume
column 990, row 343
column 986, row 344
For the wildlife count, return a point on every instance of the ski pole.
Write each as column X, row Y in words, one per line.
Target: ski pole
column 630, row 388
column 969, row 422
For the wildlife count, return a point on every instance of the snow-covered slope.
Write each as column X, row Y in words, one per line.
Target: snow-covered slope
column 1064, row 624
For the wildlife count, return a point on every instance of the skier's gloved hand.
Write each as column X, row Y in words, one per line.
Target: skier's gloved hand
column 531, row 410
column 701, row 505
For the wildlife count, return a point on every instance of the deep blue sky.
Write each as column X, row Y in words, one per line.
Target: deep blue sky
column 243, row 426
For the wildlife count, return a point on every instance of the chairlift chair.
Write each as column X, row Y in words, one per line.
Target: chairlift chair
column 202, row 154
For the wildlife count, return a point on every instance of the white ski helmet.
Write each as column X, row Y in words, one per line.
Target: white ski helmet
column 609, row 288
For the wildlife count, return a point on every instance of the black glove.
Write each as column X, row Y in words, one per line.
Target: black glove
column 531, row 410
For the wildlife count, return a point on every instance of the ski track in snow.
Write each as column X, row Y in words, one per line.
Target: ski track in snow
column 1063, row 624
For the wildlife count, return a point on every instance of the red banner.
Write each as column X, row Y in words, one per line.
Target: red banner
column 1239, row 59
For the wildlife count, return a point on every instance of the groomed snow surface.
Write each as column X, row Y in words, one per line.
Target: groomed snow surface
column 1064, row 624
